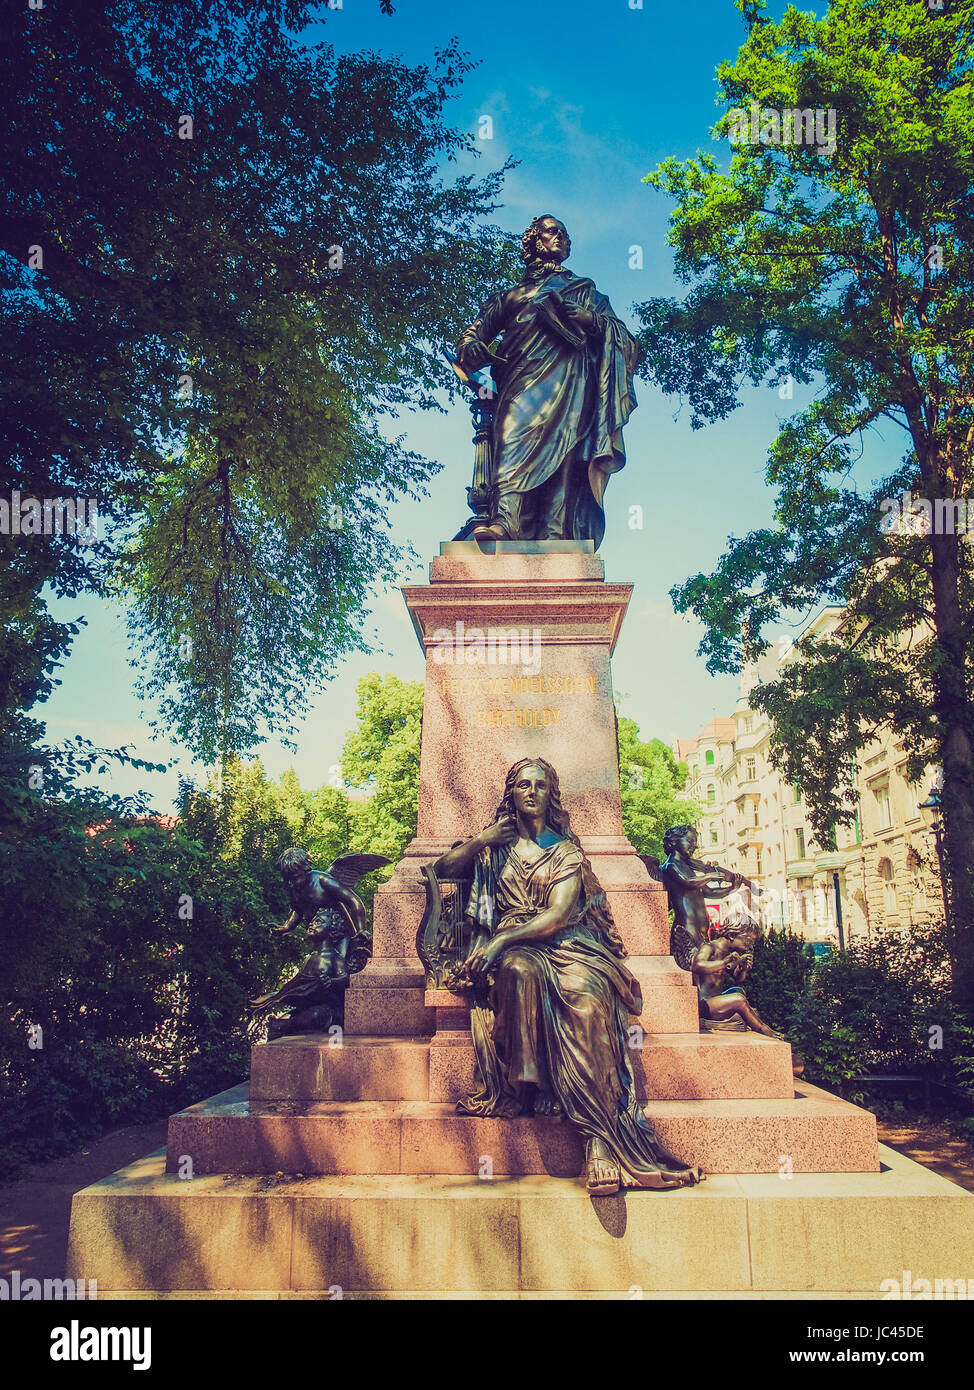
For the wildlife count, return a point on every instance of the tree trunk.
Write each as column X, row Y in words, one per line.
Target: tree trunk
column 957, row 752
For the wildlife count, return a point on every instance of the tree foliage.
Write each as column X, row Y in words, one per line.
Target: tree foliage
column 650, row 779
column 852, row 271
column 229, row 255
column 381, row 756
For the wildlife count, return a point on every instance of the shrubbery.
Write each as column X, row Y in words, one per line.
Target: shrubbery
column 878, row 1008
column 134, row 946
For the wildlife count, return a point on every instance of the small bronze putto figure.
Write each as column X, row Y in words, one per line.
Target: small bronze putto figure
column 337, row 924
column 551, row 996
column 563, row 374
column 720, row 968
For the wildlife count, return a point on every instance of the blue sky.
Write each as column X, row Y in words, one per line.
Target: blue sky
column 589, row 97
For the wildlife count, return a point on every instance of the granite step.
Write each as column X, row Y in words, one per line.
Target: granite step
column 666, row 1066
column 813, row 1132
column 144, row 1233
column 669, row 998
column 311, row 1067
column 389, row 997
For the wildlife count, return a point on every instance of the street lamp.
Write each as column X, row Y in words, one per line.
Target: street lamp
column 835, row 862
column 932, row 812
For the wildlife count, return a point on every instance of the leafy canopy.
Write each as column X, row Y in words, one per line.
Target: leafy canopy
column 228, row 257
column 851, row 272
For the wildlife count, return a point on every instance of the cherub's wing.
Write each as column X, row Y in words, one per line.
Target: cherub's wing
column 652, row 866
column 349, row 868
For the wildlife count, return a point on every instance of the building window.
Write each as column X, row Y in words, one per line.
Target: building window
column 800, row 842
column 711, row 794
column 757, row 863
column 861, row 911
column 752, row 767
column 885, row 872
column 708, row 757
column 884, row 807
column 696, row 769
column 757, row 814
column 748, row 724
column 796, row 795
column 713, row 836
column 913, row 799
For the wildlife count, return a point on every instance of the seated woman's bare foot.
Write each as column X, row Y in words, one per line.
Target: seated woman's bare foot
column 603, row 1171
column 548, row 1106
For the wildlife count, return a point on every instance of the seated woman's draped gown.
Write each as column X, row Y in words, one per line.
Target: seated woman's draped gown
column 557, row 1012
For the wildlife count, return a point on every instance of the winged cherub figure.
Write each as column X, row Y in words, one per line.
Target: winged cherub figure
column 336, row 923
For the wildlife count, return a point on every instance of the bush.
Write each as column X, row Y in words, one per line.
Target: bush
column 881, row 1007
column 134, row 948
column 783, row 965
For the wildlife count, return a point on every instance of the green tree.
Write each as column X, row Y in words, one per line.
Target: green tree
column 381, row 756
column 228, row 256
column 650, row 780
column 850, row 269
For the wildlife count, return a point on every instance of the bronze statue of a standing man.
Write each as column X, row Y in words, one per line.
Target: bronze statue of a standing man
column 563, row 372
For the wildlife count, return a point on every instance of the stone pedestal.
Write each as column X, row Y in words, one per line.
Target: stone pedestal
column 518, row 639
column 145, row 1234
column 348, row 1166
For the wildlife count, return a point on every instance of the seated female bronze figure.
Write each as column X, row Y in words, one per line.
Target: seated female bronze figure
column 551, row 996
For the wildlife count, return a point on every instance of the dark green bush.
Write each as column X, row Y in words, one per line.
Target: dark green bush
column 134, row 948
column 783, row 964
column 880, row 1007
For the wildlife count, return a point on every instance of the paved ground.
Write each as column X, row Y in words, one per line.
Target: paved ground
column 933, row 1143
column 36, row 1208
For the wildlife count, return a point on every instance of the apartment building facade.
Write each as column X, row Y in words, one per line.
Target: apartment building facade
column 755, row 823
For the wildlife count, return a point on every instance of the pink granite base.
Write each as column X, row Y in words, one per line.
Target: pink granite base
column 362, row 1068
column 397, row 1013
column 677, row 1066
column 669, row 999
column 814, row 1133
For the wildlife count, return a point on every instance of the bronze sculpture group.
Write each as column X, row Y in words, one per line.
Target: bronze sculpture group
column 336, row 925
column 516, row 918
column 720, row 962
